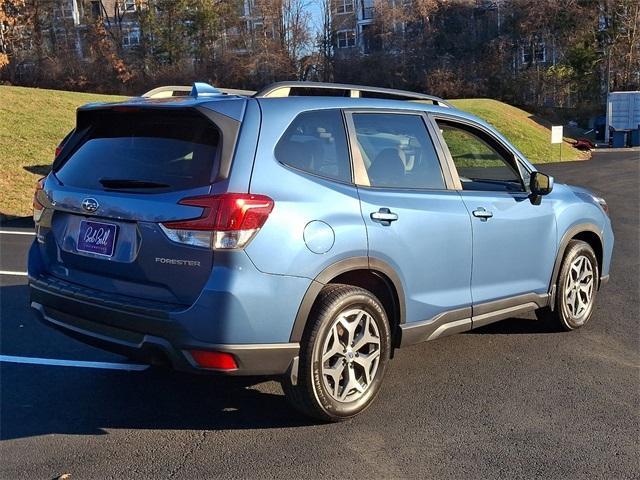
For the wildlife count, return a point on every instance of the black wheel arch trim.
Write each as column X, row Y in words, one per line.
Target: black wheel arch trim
column 566, row 238
column 375, row 265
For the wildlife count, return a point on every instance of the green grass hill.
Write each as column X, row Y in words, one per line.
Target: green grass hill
column 33, row 121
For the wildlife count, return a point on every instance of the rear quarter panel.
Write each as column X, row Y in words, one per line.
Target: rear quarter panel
column 300, row 199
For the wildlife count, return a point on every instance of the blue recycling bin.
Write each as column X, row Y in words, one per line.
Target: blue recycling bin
column 635, row 137
column 619, row 139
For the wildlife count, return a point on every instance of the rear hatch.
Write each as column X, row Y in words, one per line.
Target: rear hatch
column 117, row 180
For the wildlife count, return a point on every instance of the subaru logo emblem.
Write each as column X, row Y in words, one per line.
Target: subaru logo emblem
column 90, row 205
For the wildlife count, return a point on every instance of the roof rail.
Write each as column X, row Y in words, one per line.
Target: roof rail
column 185, row 90
column 283, row 89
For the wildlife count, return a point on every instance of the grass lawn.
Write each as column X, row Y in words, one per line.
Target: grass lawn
column 33, row 121
column 529, row 134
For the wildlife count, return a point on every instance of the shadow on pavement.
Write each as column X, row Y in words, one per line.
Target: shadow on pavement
column 40, row 400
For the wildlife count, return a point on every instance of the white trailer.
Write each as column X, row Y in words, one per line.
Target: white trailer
column 623, row 112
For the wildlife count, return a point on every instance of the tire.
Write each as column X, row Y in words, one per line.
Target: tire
column 340, row 387
column 576, row 288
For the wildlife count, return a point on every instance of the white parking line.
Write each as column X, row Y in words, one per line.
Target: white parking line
column 9, row 272
column 16, row 232
column 73, row 363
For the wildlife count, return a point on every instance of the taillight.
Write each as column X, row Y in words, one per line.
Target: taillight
column 38, row 208
column 228, row 221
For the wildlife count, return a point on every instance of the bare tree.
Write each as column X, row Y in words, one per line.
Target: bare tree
column 10, row 29
column 324, row 40
column 622, row 33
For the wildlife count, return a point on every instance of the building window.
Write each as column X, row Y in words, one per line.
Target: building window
column 63, row 10
column 129, row 5
column 95, row 9
column 131, row 38
column 67, row 10
column 367, row 38
column 346, row 38
column 534, row 53
column 262, row 30
column 540, row 53
column 368, row 10
column 344, row 6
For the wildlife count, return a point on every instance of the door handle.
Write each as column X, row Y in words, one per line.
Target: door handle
column 384, row 216
column 482, row 214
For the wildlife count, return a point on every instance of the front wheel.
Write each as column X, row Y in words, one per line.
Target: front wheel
column 343, row 355
column 576, row 288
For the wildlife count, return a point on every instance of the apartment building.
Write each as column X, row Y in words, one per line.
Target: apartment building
column 68, row 22
column 71, row 17
column 352, row 24
column 254, row 26
column 351, row 21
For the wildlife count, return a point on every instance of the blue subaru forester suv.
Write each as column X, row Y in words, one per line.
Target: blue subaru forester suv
column 303, row 233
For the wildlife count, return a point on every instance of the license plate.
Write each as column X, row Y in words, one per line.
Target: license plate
column 97, row 237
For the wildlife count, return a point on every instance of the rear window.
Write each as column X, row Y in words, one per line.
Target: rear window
column 316, row 143
column 154, row 151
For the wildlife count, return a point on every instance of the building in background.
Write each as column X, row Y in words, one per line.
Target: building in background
column 539, row 53
column 65, row 23
column 352, row 21
column 121, row 19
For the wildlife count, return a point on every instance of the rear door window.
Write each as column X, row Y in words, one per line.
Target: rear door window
column 316, row 143
column 397, row 151
column 151, row 150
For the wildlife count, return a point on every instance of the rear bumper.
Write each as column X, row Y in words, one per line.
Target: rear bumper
column 150, row 338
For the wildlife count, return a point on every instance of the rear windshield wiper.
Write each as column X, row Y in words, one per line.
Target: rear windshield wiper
column 119, row 183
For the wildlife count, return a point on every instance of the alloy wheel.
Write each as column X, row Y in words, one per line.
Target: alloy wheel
column 579, row 287
column 350, row 355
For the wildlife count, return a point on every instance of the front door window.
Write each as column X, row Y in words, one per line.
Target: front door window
column 481, row 163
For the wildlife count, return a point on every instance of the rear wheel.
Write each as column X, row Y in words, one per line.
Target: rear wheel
column 576, row 288
column 343, row 356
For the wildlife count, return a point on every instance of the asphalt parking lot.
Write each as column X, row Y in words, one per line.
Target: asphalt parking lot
column 511, row 400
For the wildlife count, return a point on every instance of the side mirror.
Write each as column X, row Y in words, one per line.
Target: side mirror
column 540, row 184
